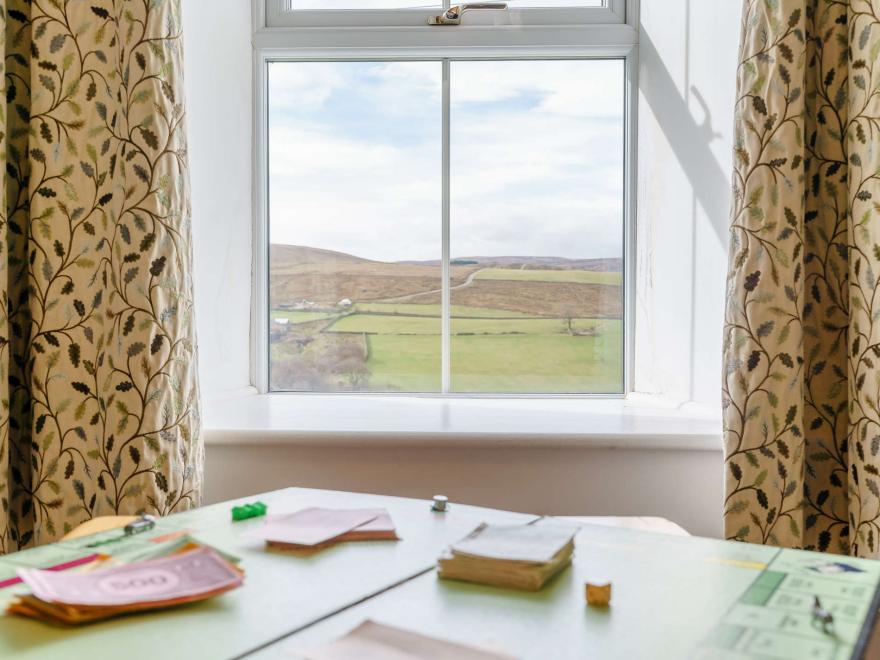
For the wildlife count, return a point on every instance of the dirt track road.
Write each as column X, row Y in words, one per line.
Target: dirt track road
column 410, row 296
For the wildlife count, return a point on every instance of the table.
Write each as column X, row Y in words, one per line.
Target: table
column 670, row 592
column 281, row 594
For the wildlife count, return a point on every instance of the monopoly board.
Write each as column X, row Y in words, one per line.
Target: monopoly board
column 774, row 616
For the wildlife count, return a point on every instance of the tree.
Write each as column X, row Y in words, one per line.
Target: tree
column 569, row 314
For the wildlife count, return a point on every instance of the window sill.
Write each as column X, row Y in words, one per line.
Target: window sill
column 411, row 421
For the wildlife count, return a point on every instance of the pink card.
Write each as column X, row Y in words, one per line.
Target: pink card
column 313, row 525
column 375, row 641
column 183, row 575
column 381, row 523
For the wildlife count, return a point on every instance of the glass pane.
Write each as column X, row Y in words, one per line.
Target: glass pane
column 537, row 220
column 354, row 189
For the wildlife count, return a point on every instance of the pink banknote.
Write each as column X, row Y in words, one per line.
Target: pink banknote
column 178, row 576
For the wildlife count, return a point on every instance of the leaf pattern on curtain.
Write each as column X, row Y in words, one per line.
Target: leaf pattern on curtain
column 801, row 385
column 100, row 401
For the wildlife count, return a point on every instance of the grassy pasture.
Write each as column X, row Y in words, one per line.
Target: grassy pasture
column 509, row 325
column 415, row 309
column 527, row 275
column 499, row 363
column 404, row 354
column 404, row 363
column 421, row 325
column 537, row 363
column 379, row 324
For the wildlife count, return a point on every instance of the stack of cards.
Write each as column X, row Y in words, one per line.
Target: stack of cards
column 318, row 527
column 516, row 556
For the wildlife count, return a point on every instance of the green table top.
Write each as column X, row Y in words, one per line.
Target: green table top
column 282, row 592
column 672, row 597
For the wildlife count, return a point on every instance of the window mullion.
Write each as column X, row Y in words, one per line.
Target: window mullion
column 445, row 308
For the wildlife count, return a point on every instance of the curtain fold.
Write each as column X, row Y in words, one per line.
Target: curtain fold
column 100, row 405
column 801, row 383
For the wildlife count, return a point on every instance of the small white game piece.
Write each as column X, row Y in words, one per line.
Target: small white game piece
column 441, row 503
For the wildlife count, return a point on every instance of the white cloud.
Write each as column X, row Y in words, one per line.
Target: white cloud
column 375, row 201
column 542, row 180
column 305, row 88
column 536, row 160
column 567, row 87
column 398, row 88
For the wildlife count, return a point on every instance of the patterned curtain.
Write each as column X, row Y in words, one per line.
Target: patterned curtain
column 97, row 359
column 802, row 326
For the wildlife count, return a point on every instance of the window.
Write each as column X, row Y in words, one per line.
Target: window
column 443, row 208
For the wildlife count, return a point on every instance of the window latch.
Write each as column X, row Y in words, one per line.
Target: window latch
column 452, row 16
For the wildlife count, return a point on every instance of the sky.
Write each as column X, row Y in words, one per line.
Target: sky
column 536, row 158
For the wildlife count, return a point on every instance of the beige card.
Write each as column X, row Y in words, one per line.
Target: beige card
column 539, row 542
column 375, row 641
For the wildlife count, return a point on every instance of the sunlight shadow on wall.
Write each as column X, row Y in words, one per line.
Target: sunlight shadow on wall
column 687, row 138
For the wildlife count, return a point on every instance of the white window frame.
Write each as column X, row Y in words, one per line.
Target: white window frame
column 611, row 32
column 280, row 15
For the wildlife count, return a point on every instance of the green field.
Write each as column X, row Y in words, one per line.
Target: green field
column 401, row 309
column 576, row 276
column 537, row 363
column 404, row 364
column 379, row 324
column 490, row 354
column 552, row 329
column 500, row 363
column 410, row 309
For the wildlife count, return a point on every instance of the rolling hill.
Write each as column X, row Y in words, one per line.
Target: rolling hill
column 325, row 277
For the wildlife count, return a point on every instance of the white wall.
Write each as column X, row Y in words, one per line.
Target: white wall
column 685, row 486
column 217, row 62
column 688, row 57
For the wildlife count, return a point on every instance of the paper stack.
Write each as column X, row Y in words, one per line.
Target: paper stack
column 192, row 574
column 515, row 556
column 318, row 527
